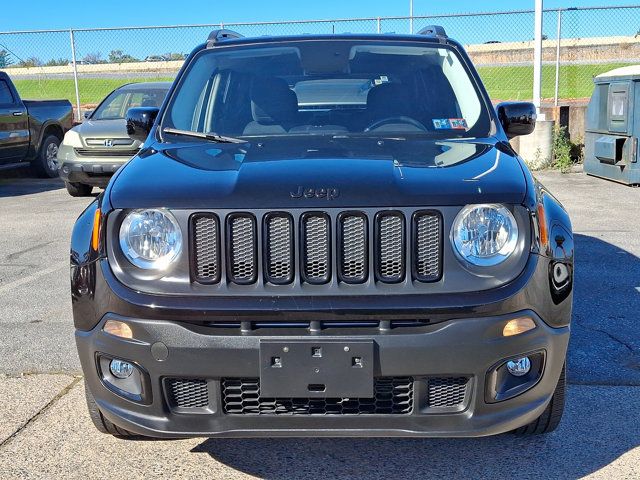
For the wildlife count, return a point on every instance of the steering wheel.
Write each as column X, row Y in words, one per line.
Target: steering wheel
column 398, row 119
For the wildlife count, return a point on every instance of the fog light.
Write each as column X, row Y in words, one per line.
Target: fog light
column 518, row 367
column 121, row 369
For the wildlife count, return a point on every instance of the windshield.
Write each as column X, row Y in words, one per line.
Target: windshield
column 329, row 87
column 115, row 106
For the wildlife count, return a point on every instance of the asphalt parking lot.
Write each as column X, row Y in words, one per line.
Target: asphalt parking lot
column 45, row 431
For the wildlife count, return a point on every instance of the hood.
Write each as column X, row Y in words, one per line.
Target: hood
column 319, row 173
column 103, row 128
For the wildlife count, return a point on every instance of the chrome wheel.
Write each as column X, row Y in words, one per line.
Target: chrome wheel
column 51, row 155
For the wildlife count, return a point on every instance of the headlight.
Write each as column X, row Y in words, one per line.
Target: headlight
column 484, row 235
column 72, row 139
column 150, row 239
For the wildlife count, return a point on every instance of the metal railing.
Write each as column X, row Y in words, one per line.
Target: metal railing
column 85, row 64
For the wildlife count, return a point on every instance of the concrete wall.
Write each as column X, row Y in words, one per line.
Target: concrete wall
column 575, row 50
column 578, row 50
column 572, row 116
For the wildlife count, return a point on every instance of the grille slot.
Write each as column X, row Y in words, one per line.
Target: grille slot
column 446, row 392
column 390, row 247
column 242, row 241
column 206, row 247
column 188, row 393
column 427, row 245
column 96, row 152
column 353, row 248
column 392, row 396
column 316, row 248
column 278, row 248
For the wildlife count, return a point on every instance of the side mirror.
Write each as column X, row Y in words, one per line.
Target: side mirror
column 139, row 122
column 517, row 118
column 87, row 114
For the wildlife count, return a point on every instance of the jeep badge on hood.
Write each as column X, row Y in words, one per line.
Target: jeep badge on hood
column 328, row 193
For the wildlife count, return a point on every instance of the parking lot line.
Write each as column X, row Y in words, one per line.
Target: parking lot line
column 34, row 276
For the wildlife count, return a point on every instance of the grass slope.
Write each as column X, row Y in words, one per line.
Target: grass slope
column 92, row 90
column 502, row 82
column 516, row 83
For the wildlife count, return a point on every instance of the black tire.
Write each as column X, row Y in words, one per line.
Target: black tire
column 550, row 418
column 46, row 164
column 78, row 189
column 102, row 424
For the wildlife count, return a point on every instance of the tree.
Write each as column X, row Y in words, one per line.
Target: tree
column 5, row 59
column 30, row 62
column 118, row 56
column 174, row 56
column 55, row 62
column 93, row 58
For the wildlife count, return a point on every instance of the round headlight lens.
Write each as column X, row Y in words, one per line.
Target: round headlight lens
column 485, row 235
column 150, row 239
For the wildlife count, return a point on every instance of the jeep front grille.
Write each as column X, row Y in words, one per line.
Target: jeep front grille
column 391, row 396
column 390, row 247
column 427, row 244
column 316, row 246
column 354, row 261
column 279, row 248
column 300, row 248
column 206, row 239
column 447, row 392
column 242, row 242
column 187, row 392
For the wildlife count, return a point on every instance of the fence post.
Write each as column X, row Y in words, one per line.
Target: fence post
column 558, row 37
column 75, row 73
column 537, row 57
column 410, row 16
column 378, row 25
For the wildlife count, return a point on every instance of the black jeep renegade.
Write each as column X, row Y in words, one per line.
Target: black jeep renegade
column 324, row 236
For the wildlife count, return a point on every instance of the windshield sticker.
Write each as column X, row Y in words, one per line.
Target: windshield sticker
column 449, row 123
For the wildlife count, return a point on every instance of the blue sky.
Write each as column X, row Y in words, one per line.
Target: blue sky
column 48, row 14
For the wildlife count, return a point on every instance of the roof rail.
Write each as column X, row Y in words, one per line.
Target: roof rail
column 219, row 35
column 434, row 31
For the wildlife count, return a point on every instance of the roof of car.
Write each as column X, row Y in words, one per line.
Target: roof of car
column 149, row 85
column 343, row 36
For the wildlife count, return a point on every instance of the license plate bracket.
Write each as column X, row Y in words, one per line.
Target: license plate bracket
column 316, row 369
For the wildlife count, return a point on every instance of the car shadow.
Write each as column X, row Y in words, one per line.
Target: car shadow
column 596, row 430
column 600, row 423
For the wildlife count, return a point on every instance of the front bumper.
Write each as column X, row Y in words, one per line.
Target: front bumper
column 88, row 170
column 468, row 347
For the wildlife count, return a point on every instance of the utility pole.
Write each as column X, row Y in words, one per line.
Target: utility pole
column 410, row 16
column 537, row 56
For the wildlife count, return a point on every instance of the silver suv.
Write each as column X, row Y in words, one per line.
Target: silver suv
column 92, row 151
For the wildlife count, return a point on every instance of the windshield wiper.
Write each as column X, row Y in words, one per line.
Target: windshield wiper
column 214, row 137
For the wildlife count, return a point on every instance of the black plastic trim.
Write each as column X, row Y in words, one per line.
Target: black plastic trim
column 340, row 249
column 376, row 252
column 145, row 398
column 265, row 248
column 303, row 250
column 192, row 249
column 229, row 262
column 414, row 245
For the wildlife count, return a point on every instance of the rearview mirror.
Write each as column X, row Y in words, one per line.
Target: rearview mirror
column 139, row 122
column 517, row 118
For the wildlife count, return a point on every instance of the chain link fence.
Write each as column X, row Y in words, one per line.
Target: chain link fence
column 575, row 49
